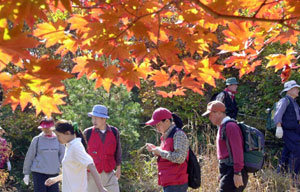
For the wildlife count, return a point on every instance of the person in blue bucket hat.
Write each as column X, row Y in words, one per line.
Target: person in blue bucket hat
column 227, row 96
column 103, row 144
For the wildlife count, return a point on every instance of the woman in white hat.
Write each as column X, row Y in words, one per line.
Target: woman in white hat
column 286, row 118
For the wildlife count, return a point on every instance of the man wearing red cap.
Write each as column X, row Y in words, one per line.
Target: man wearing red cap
column 233, row 177
column 172, row 152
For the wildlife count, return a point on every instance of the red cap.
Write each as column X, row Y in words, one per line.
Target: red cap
column 158, row 115
column 46, row 124
column 214, row 106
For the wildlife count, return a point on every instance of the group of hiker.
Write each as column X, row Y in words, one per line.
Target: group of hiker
column 91, row 161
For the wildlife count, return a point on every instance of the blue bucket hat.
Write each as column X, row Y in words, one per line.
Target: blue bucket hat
column 231, row 81
column 99, row 111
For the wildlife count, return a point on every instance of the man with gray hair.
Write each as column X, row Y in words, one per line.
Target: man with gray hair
column 286, row 118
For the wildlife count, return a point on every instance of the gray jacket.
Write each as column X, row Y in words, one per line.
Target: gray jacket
column 44, row 155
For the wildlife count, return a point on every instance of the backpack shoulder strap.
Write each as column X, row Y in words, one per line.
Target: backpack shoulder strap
column 37, row 145
column 88, row 134
column 223, row 128
column 288, row 100
column 223, row 136
column 172, row 133
column 114, row 130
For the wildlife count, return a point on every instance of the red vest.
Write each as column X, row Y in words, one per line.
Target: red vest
column 171, row 173
column 103, row 154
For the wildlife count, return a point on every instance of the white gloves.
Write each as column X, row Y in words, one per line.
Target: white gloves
column 26, row 179
column 279, row 132
column 8, row 165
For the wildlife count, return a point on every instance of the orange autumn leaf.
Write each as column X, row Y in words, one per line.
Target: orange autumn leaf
column 280, row 60
column 237, row 36
column 52, row 32
column 131, row 74
column 161, row 78
column 169, row 43
column 178, row 92
column 48, row 103
column 13, row 46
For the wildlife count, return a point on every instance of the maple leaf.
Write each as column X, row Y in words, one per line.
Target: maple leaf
column 67, row 4
column 106, row 77
column 48, row 103
column 11, row 50
column 132, row 73
column 161, row 78
column 192, row 84
column 7, row 81
column 280, row 60
column 19, row 11
column 168, row 52
column 86, row 65
column 46, row 73
column 52, row 32
column 237, row 36
column 178, row 92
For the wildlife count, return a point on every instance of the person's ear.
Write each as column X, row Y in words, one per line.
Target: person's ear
column 68, row 133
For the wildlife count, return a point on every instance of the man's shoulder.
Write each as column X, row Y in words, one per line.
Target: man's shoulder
column 113, row 128
column 87, row 129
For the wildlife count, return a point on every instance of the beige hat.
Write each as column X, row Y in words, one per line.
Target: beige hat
column 289, row 85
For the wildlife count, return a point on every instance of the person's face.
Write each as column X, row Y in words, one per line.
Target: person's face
column 294, row 92
column 63, row 138
column 47, row 131
column 215, row 118
column 98, row 122
column 232, row 88
column 163, row 126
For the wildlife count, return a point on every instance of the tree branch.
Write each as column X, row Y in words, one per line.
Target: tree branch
column 242, row 18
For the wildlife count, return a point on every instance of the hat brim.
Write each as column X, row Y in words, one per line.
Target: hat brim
column 152, row 122
column 90, row 114
column 45, row 127
column 287, row 89
column 205, row 113
column 232, row 83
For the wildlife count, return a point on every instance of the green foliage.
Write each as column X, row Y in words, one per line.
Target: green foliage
column 20, row 128
column 141, row 173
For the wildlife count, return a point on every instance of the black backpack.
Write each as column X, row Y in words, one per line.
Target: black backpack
column 193, row 166
column 193, row 170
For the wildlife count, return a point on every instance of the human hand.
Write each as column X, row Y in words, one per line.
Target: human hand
column 238, row 180
column 156, row 151
column 50, row 181
column 103, row 190
column 279, row 132
column 8, row 165
column 118, row 172
column 150, row 147
column 26, row 179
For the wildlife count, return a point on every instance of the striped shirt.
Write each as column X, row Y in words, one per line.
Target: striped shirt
column 181, row 146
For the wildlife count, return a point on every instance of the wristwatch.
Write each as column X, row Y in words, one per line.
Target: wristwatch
column 238, row 173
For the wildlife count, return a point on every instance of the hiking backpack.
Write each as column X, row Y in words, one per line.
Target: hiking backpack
column 254, row 144
column 193, row 170
column 214, row 96
column 193, row 166
column 270, row 125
